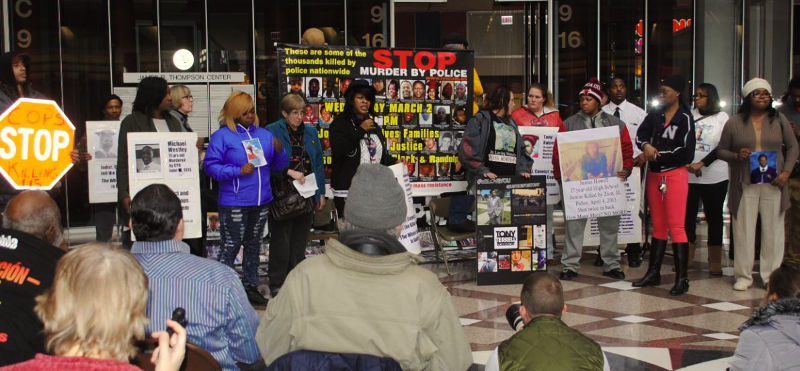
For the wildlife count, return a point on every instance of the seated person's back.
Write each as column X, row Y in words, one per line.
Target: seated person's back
column 219, row 317
column 770, row 339
column 366, row 294
column 28, row 258
column 546, row 342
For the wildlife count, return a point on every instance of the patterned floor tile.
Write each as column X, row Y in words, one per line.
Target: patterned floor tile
column 714, row 321
column 628, row 302
column 725, row 306
column 633, row 319
column 638, row 332
column 722, row 336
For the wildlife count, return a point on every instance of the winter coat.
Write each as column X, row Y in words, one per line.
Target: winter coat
column 346, row 135
column 226, row 156
column 312, row 146
column 547, row 343
column 311, row 360
column 770, row 339
column 345, row 301
column 474, row 146
column 675, row 142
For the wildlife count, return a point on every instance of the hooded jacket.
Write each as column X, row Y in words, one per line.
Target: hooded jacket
column 226, row 156
column 370, row 298
column 770, row 339
column 473, row 149
column 346, row 135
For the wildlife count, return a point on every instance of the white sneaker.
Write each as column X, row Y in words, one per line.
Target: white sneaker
column 741, row 285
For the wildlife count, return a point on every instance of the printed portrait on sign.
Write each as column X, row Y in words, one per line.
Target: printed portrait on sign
column 591, row 159
column 148, row 159
column 446, row 141
column 106, row 144
column 494, row 207
column 763, row 167
column 405, row 89
column 313, row 87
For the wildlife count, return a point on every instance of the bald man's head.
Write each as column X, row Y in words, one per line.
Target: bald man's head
column 34, row 213
column 314, row 37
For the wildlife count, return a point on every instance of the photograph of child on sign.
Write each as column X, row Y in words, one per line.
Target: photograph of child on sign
column 494, row 207
column 255, row 153
column 591, row 159
column 763, row 167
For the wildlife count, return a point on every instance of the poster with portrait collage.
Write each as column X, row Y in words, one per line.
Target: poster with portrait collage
column 511, row 232
column 423, row 102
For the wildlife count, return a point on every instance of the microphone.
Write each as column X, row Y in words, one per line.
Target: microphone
column 178, row 315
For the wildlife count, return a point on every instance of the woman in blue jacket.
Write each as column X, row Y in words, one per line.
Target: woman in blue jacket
column 301, row 144
column 240, row 157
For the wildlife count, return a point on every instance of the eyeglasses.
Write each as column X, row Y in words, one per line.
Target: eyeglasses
column 189, row 97
column 761, row 94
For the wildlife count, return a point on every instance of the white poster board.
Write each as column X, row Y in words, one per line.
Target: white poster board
column 409, row 236
column 630, row 225
column 171, row 159
column 101, row 143
column 589, row 160
column 543, row 139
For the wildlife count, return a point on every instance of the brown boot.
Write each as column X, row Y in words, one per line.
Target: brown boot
column 715, row 260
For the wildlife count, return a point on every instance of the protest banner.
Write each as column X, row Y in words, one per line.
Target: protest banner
column 101, row 143
column 409, row 236
column 589, row 160
column 511, row 228
column 35, row 144
column 539, row 141
column 172, row 160
column 423, row 102
column 630, row 224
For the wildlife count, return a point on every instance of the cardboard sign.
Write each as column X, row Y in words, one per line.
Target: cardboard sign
column 101, row 142
column 35, row 144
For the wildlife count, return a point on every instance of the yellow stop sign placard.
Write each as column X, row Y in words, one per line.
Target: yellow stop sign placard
column 36, row 139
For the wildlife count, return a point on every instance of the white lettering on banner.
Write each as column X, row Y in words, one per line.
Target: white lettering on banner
column 186, row 77
column 8, row 242
column 505, row 238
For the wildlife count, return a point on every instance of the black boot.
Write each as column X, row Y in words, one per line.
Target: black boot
column 680, row 252
column 653, row 275
column 634, row 252
column 598, row 261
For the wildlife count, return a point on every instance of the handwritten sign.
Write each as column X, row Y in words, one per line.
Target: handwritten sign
column 36, row 139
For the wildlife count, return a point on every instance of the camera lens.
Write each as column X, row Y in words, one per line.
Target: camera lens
column 514, row 318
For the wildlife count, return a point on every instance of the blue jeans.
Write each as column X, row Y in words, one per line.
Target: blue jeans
column 242, row 226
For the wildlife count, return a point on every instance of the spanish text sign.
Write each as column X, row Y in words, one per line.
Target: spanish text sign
column 36, row 139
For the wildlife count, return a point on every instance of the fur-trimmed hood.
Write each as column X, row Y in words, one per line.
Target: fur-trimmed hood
column 782, row 314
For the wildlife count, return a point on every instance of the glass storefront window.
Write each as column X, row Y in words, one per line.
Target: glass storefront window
column 670, row 45
column 575, row 47
column 498, row 39
column 328, row 16
column 276, row 22
column 368, row 23
column 183, row 29
column 622, row 44
column 87, row 83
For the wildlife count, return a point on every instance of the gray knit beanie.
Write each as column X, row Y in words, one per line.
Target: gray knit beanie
column 375, row 199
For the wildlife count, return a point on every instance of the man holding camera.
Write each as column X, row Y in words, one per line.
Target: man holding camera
column 545, row 342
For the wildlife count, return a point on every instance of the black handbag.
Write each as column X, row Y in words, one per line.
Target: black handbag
column 287, row 202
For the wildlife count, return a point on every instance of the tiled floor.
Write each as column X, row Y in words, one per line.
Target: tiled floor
column 638, row 328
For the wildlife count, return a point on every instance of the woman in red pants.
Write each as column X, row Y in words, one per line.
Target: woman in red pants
column 667, row 139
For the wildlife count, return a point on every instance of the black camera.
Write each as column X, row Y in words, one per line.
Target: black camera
column 514, row 318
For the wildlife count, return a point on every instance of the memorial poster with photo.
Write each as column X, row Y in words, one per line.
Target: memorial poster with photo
column 589, row 160
column 538, row 142
column 630, row 224
column 423, row 102
column 169, row 159
column 409, row 236
column 511, row 228
column 763, row 167
column 101, row 143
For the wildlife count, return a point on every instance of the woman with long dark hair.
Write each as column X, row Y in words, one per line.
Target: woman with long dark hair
column 492, row 145
column 667, row 139
column 708, row 177
column 757, row 131
column 356, row 139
